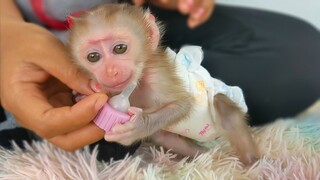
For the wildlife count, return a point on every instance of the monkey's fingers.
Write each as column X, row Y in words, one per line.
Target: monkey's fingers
column 123, row 128
column 122, row 133
column 52, row 121
column 134, row 112
column 123, row 138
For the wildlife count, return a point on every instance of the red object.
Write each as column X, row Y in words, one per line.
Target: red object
column 76, row 14
column 38, row 8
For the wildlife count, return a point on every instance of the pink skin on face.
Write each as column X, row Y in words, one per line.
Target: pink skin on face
column 113, row 71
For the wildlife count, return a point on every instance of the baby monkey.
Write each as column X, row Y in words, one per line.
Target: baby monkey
column 176, row 103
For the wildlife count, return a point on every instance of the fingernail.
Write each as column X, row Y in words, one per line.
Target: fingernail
column 198, row 13
column 98, row 86
column 186, row 6
column 189, row 3
column 95, row 86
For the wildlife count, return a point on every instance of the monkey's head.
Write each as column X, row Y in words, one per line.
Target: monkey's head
column 112, row 42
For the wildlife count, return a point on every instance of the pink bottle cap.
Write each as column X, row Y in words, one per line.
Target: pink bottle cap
column 108, row 117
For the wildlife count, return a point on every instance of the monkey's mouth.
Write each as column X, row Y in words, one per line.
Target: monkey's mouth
column 119, row 86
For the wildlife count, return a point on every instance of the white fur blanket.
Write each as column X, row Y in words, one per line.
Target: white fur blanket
column 290, row 148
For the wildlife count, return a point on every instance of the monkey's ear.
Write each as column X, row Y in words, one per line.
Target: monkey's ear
column 154, row 33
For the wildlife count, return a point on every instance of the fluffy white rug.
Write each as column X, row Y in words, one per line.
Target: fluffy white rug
column 290, row 148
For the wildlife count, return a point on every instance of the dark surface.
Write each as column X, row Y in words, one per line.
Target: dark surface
column 274, row 58
column 108, row 151
column 2, row 115
column 18, row 135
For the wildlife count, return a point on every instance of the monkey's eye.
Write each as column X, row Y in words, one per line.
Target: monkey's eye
column 120, row 49
column 93, row 57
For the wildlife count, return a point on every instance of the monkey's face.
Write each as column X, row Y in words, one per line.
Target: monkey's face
column 112, row 59
column 113, row 43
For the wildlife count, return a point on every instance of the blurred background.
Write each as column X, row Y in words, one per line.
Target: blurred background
column 308, row 10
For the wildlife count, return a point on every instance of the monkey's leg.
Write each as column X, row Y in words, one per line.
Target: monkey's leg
column 234, row 127
column 178, row 144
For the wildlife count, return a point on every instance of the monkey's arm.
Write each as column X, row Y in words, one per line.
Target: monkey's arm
column 142, row 125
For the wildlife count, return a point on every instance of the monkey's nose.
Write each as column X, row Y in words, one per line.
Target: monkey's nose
column 112, row 72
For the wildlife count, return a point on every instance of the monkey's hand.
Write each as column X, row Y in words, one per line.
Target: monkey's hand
column 142, row 125
column 131, row 131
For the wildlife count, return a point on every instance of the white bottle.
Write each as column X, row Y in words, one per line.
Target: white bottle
column 121, row 102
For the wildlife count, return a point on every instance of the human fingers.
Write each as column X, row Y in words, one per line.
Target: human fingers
column 48, row 121
column 88, row 134
column 36, row 46
column 185, row 6
column 200, row 12
column 69, row 118
column 165, row 4
column 30, row 57
column 62, row 67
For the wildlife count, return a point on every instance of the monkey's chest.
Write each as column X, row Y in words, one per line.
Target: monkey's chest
column 146, row 100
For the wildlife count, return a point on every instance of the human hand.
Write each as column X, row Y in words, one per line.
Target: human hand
column 199, row 11
column 35, row 73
